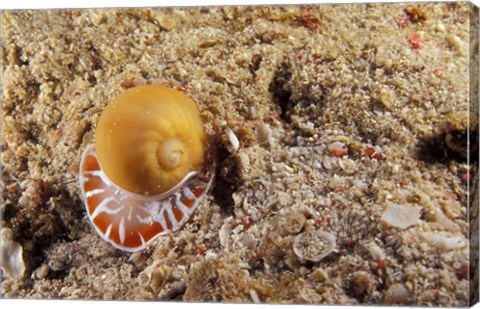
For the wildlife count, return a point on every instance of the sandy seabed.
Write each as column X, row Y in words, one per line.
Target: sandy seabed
column 348, row 117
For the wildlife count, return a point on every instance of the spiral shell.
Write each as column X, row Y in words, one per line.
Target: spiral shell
column 149, row 138
column 146, row 174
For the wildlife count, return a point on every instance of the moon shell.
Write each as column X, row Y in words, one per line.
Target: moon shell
column 146, row 173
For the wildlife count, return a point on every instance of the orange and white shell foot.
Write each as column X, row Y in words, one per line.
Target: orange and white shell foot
column 131, row 221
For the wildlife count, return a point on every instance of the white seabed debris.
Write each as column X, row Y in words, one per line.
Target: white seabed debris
column 314, row 245
column 12, row 256
column 444, row 241
column 225, row 231
column 254, row 296
column 264, row 134
column 400, row 216
column 232, row 138
column 375, row 251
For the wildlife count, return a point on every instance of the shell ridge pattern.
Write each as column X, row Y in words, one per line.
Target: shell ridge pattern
column 172, row 218
column 103, row 208
column 94, row 192
column 183, row 208
column 129, row 221
column 121, row 230
column 160, row 219
column 142, row 239
column 151, row 209
column 109, row 230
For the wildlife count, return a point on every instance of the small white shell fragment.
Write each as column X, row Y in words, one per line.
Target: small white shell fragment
column 210, row 255
column 224, row 233
column 338, row 149
column 327, row 163
column 319, row 148
column 243, row 161
column 216, row 221
column 439, row 27
column 248, row 241
column 237, row 229
column 444, row 241
column 12, row 256
column 348, row 166
column 41, row 272
column 310, row 125
column 438, row 216
column 256, row 216
column 375, row 251
column 237, row 199
column 456, row 44
column 314, row 245
column 360, row 185
column 254, row 296
column 232, row 138
column 287, row 168
column 400, row 216
column 337, row 182
column 263, row 134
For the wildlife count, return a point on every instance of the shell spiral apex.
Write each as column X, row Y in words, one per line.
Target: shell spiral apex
column 149, row 138
column 147, row 172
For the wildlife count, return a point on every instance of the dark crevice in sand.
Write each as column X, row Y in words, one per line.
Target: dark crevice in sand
column 227, row 180
column 448, row 146
column 280, row 90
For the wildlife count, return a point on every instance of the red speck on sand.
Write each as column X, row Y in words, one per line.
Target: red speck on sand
column 414, row 40
column 373, row 154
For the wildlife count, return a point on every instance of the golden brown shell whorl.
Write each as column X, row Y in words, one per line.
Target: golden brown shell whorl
column 149, row 138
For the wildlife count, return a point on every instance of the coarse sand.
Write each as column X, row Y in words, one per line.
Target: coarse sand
column 350, row 183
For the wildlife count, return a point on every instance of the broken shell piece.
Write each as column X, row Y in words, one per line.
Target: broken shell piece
column 146, row 275
column 400, row 216
column 225, row 231
column 12, row 256
column 314, row 245
column 216, row 221
column 338, row 149
column 281, row 229
column 337, row 182
column 375, row 251
column 232, row 138
column 41, row 272
column 166, row 23
column 396, row 294
column 436, row 215
column 254, row 296
column 444, row 241
column 291, row 223
column 263, row 134
column 348, row 166
column 248, row 241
